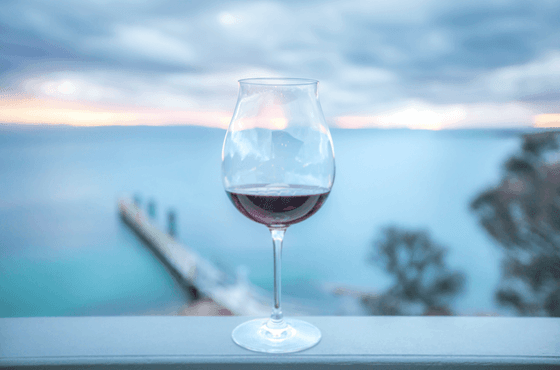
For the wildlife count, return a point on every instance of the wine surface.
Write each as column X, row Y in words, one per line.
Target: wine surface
column 278, row 205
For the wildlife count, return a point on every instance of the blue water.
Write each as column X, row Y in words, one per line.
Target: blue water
column 64, row 251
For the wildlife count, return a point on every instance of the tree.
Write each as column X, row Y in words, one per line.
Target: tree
column 423, row 284
column 523, row 215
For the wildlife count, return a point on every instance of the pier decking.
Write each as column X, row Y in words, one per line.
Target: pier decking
column 192, row 270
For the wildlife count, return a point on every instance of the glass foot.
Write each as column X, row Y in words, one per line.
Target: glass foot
column 256, row 336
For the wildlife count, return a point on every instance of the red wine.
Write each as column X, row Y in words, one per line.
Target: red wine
column 281, row 205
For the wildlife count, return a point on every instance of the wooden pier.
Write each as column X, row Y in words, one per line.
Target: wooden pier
column 193, row 271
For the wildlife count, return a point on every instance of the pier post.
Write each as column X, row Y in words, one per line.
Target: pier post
column 172, row 223
column 152, row 209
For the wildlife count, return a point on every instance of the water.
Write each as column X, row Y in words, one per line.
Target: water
column 64, row 250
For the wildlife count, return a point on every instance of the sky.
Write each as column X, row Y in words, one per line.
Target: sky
column 389, row 64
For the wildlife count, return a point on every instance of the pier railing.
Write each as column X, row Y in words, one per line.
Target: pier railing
column 164, row 342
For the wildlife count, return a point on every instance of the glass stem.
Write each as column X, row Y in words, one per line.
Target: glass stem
column 277, row 318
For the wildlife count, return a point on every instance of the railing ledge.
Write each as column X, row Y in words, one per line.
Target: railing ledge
column 165, row 342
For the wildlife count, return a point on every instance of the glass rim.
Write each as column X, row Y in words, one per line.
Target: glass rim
column 277, row 81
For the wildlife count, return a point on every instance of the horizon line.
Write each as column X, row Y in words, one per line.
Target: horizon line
column 383, row 128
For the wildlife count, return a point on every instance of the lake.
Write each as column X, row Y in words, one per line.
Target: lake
column 65, row 251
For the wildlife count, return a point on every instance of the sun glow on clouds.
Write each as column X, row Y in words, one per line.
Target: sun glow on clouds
column 24, row 110
column 431, row 117
column 547, row 120
column 50, row 111
column 412, row 116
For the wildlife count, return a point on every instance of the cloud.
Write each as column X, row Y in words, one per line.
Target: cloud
column 73, row 87
column 516, row 81
column 370, row 58
column 420, row 115
column 499, row 115
column 25, row 110
column 167, row 90
column 140, row 42
column 413, row 115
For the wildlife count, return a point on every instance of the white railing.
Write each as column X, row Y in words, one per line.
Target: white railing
column 171, row 342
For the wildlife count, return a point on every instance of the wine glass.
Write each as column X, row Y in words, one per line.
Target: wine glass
column 278, row 169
